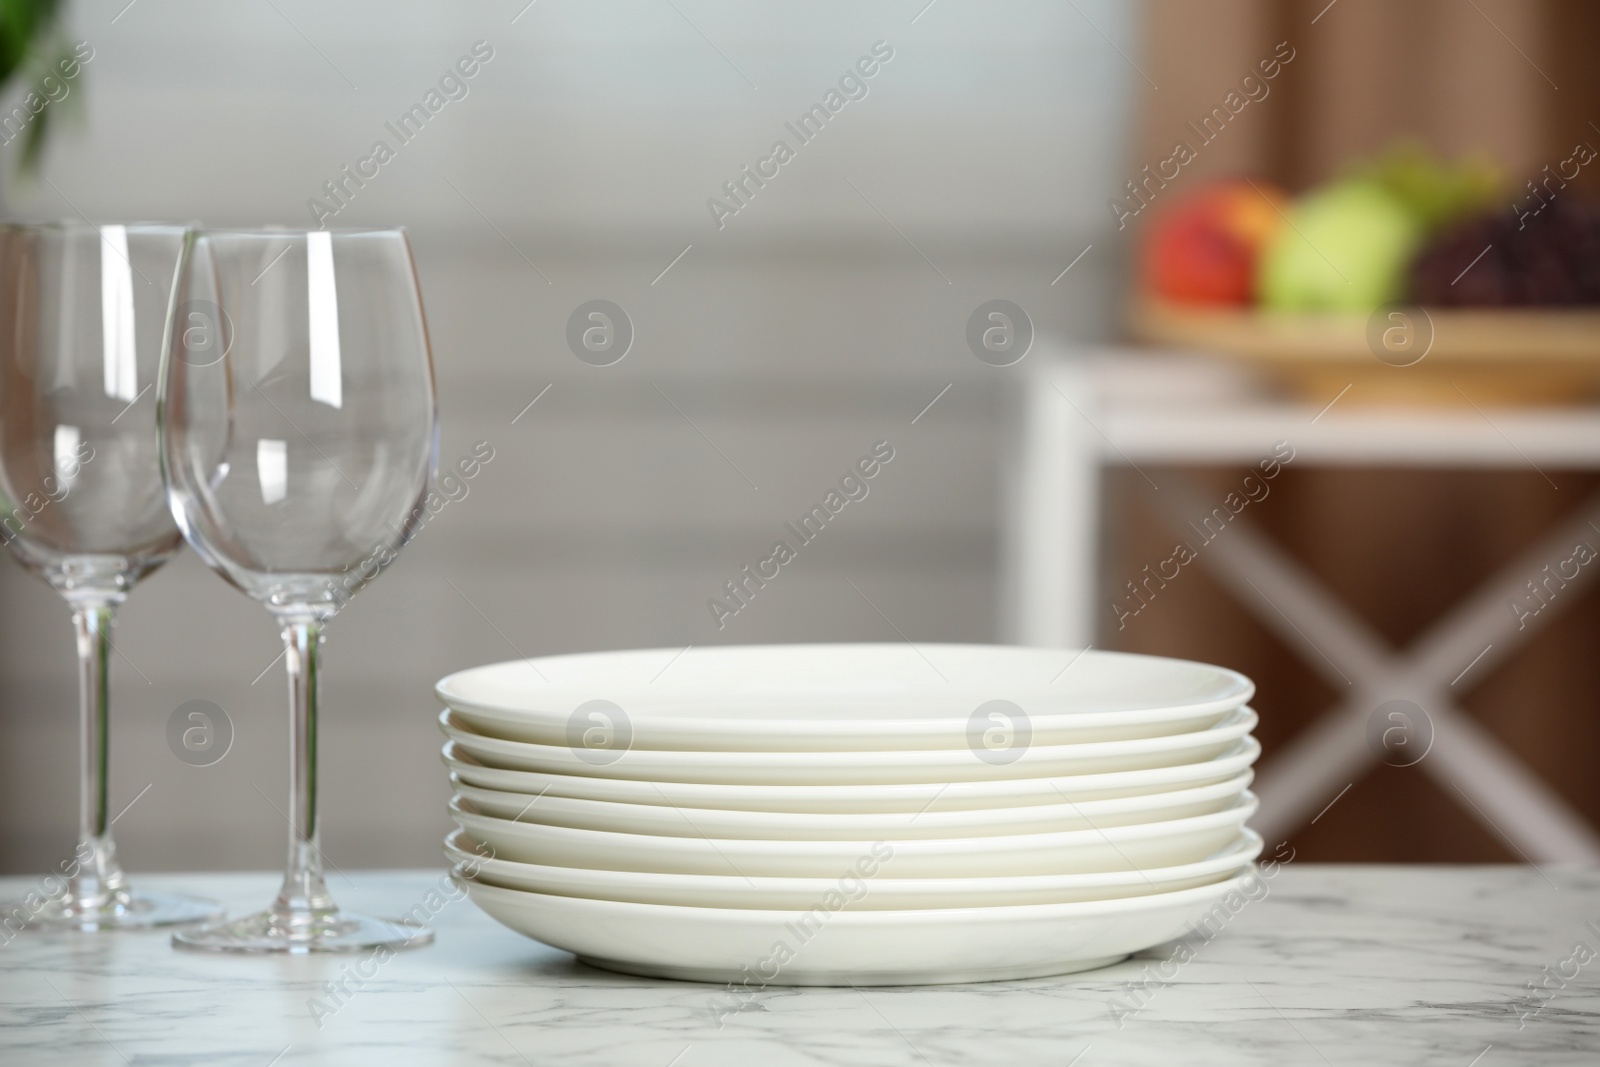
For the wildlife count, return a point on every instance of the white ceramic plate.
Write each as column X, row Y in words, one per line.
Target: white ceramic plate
column 924, row 796
column 905, row 825
column 842, row 697
column 875, row 892
column 1115, row 848
column 822, row 768
column 754, row 948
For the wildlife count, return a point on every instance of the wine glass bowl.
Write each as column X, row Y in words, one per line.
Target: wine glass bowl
column 298, row 438
column 297, row 448
column 83, row 310
column 86, row 307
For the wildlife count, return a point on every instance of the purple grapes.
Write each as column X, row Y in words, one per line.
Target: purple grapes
column 1497, row 260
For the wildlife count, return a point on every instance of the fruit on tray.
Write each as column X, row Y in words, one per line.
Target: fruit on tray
column 1346, row 248
column 1353, row 243
column 1204, row 250
column 1494, row 259
column 1436, row 193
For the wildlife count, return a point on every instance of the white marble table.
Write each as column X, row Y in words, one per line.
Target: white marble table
column 1337, row 965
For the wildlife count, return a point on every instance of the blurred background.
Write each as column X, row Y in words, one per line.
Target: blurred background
column 985, row 158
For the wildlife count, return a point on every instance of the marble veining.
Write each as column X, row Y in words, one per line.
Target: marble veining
column 1338, row 964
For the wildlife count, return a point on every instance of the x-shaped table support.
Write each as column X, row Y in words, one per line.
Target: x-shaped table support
column 1465, row 759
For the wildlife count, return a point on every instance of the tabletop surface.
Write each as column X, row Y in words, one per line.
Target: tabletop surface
column 1174, row 408
column 1460, row 966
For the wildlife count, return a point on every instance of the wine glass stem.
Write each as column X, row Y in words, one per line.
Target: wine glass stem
column 304, row 898
column 98, row 875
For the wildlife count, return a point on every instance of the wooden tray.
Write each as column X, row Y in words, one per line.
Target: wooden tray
column 1428, row 355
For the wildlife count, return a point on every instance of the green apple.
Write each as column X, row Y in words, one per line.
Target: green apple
column 1346, row 248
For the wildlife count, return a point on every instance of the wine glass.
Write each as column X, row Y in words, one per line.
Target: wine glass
column 82, row 313
column 298, row 437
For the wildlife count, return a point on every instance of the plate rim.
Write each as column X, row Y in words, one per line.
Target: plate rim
column 1239, row 781
column 1242, row 692
column 1248, row 803
column 1246, row 848
column 1244, row 716
column 1247, row 748
column 996, row 913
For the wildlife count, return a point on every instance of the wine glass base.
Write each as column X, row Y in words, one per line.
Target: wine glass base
column 127, row 909
column 270, row 932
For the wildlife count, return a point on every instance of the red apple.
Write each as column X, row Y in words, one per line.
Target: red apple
column 1204, row 249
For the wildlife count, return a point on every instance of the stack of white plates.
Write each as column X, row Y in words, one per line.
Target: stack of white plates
column 850, row 814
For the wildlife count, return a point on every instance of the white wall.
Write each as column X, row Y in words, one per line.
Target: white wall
column 795, row 337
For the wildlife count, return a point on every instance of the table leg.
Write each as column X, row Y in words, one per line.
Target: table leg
column 1052, row 492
